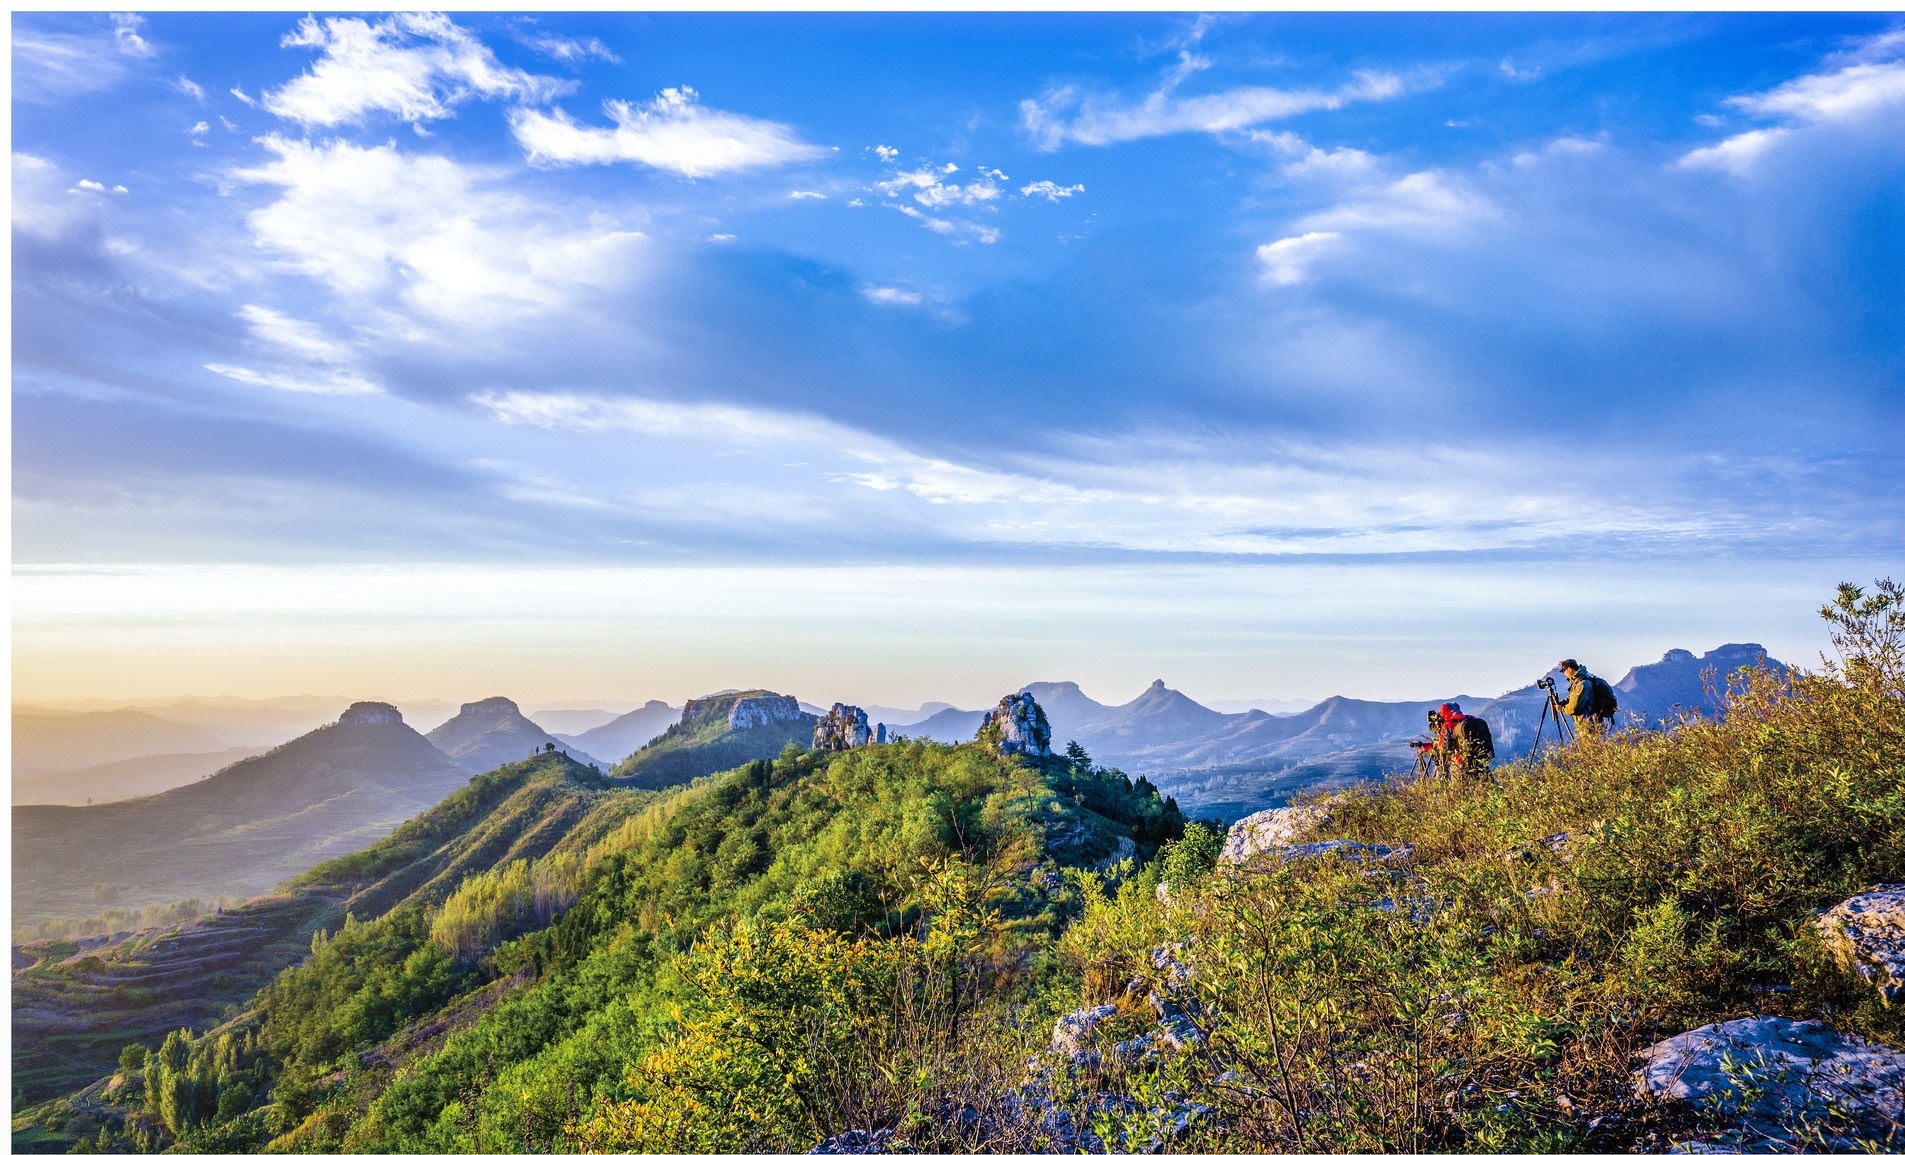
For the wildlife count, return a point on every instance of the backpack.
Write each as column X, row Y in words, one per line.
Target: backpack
column 1601, row 700
column 1475, row 741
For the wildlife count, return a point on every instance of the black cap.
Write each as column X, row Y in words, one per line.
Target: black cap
column 1570, row 664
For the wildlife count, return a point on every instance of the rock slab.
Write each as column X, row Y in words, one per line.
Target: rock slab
column 1268, row 830
column 1781, row 1083
column 1867, row 932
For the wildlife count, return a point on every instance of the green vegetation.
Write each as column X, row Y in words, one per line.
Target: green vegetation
column 702, row 744
column 884, row 938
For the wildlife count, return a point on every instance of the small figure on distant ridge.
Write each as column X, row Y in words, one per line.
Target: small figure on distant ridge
column 1591, row 702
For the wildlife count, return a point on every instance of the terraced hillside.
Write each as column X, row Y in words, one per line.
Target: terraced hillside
column 75, row 1004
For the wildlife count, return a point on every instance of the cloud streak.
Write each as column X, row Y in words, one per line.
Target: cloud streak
column 674, row 132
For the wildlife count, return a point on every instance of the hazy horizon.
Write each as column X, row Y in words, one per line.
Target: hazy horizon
column 888, row 357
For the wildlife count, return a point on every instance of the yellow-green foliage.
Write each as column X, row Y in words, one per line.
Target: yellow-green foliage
column 794, row 1031
column 1492, row 994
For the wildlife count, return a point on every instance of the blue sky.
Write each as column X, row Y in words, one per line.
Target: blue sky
column 1555, row 329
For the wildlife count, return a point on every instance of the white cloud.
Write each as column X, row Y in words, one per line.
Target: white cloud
column 887, row 295
column 569, row 49
column 1065, row 114
column 189, row 87
column 1305, row 160
column 669, row 420
column 244, row 98
column 331, row 383
column 806, row 195
column 674, row 132
column 428, row 235
column 199, row 129
column 1287, row 262
column 928, row 187
column 1867, row 89
column 886, row 155
column 962, row 231
column 298, row 338
column 1050, row 190
column 1422, row 200
column 1512, row 72
column 125, row 34
column 415, row 66
column 56, row 65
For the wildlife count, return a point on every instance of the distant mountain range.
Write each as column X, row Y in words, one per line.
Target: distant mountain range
column 262, row 819
column 618, row 737
column 1223, row 765
column 241, row 831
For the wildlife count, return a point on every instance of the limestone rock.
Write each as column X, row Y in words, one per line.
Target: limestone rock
column 1787, row 1079
column 1267, row 830
column 1020, row 725
column 1071, row 1035
column 763, row 710
column 1867, row 932
column 843, row 728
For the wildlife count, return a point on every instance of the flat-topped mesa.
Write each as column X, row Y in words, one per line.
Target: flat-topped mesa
column 1018, row 726
column 498, row 707
column 742, row 709
column 370, row 714
column 843, row 728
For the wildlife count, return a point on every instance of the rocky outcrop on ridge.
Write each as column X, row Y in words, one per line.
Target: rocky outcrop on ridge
column 1018, row 726
column 843, row 728
column 763, row 710
column 1867, row 934
column 1776, row 1085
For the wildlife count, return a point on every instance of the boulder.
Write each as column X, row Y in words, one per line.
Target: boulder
column 1776, row 1083
column 1071, row 1035
column 1267, row 830
column 1019, row 725
column 843, row 728
column 1867, row 933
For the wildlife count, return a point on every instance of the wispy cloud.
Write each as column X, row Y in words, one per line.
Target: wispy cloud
column 674, row 131
column 1068, row 115
column 888, row 295
column 417, row 67
column 1287, row 262
column 53, row 65
column 570, row 49
column 1867, row 87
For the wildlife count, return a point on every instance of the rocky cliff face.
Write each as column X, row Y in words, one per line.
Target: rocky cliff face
column 1019, row 725
column 843, row 728
column 765, row 710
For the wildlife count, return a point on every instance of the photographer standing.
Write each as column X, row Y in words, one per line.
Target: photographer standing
column 1591, row 702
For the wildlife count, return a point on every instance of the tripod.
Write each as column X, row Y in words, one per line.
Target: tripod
column 1551, row 709
column 1431, row 762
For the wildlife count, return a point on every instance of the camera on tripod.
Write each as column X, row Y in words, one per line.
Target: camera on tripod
column 1421, row 745
column 1545, row 683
